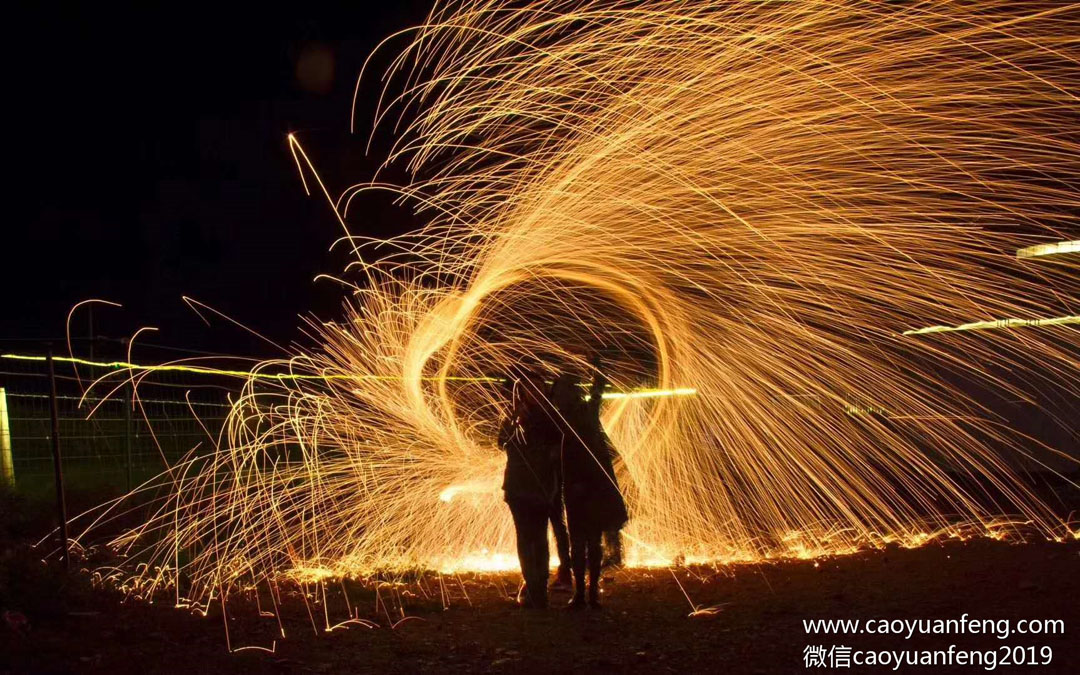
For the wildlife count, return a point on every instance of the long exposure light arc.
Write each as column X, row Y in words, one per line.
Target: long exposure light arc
column 752, row 199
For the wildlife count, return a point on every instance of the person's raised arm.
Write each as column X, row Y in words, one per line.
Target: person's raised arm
column 509, row 421
column 596, row 392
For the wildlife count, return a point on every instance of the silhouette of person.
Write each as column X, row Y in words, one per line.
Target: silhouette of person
column 557, row 517
column 562, row 581
column 593, row 502
column 530, row 483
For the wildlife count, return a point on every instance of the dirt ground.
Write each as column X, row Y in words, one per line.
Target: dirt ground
column 755, row 626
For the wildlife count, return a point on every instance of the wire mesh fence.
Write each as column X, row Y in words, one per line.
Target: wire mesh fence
column 113, row 434
column 108, row 441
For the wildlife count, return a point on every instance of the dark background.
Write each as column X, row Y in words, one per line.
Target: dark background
column 147, row 160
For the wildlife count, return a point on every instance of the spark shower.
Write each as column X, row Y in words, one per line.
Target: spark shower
column 747, row 202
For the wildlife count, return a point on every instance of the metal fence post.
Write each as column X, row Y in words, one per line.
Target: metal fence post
column 7, row 464
column 61, row 508
column 127, row 432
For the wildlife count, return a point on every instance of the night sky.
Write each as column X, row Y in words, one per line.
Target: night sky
column 147, row 160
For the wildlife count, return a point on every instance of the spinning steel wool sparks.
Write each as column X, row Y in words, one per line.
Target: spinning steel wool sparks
column 750, row 200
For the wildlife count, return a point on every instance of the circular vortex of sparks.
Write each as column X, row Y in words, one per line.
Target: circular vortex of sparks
column 749, row 202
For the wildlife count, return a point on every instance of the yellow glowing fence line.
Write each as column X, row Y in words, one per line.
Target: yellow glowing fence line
column 650, row 393
column 202, row 370
column 1044, row 250
column 998, row 323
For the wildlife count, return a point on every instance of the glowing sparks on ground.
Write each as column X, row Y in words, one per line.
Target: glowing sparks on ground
column 755, row 199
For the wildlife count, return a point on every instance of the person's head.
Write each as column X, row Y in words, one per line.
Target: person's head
column 528, row 387
column 532, row 388
column 566, row 392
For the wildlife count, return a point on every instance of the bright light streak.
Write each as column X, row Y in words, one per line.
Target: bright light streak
column 489, row 487
column 203, row 370
column 447, row 495
column 998, row 324
column 258, row 375
column 1047, row 250
column 647, row 393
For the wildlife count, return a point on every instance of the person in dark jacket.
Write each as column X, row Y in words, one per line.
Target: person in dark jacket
column 530, row 483
column 593, row 502
column 563, row 580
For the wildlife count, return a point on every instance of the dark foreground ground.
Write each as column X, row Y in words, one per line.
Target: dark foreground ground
column 643, row 627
